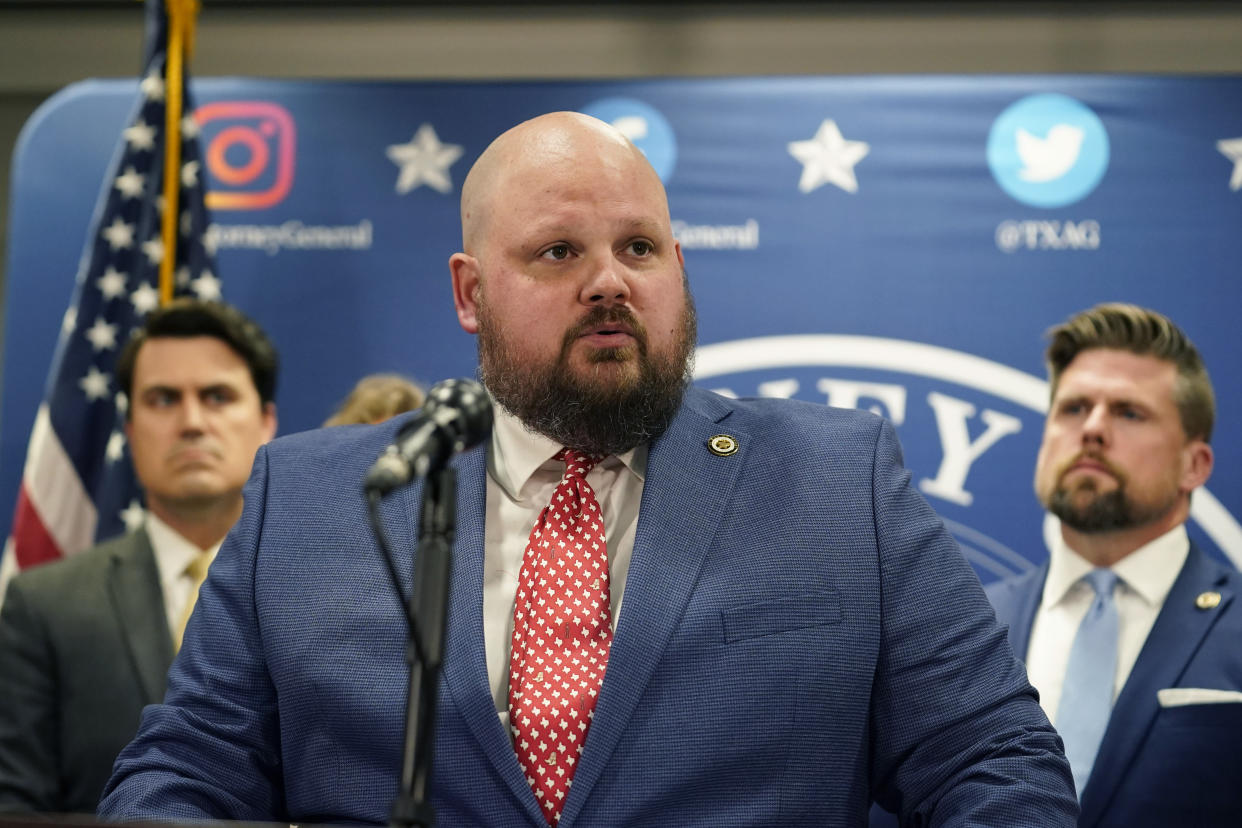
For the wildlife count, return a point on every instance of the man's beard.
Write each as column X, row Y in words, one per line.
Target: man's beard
column 591, row 415
column 1105, row 512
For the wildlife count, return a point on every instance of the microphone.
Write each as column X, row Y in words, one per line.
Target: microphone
column 456, row 416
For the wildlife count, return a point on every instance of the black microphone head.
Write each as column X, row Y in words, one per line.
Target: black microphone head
column 463, row 407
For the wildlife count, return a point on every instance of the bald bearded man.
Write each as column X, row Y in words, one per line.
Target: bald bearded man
column 775, row 629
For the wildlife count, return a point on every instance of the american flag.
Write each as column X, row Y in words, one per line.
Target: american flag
column 78, row 485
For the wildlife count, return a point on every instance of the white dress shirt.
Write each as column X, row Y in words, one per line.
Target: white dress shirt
column 173, row 553
column 1145, row 578
column 521, row 476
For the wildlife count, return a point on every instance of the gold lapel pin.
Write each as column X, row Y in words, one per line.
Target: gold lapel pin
column 722, row 445
column 1207, row 600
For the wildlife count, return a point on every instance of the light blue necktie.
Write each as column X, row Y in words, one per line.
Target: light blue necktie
column 1087, row 695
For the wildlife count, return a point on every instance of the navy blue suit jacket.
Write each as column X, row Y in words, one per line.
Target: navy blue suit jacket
column 799, row 635
column 1161, row 766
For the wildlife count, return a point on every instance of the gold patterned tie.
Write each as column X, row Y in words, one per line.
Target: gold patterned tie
column 196, row 570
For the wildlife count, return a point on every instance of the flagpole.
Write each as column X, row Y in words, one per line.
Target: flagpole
column 181, row 14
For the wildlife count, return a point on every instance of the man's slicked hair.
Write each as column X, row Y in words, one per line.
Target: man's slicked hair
column 186, row 318
column 1145, row 333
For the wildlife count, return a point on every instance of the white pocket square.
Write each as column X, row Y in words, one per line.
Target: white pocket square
column 1182, row 696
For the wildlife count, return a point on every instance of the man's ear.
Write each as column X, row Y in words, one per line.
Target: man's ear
column 466, row 277
column 269, row 421
column 1198, row 465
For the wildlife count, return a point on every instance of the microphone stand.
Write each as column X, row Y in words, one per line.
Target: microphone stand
column 427, row 613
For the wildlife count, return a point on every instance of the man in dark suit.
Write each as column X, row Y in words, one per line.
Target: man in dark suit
column 1142, row 676
column 86, row 642
column 726, row 613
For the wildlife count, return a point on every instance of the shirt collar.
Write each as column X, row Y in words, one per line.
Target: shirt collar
column 173, row 552
column 516, row 453
column 1148, row 571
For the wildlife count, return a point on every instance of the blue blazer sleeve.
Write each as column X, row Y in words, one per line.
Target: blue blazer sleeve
column 960, row 738
column 210, row 751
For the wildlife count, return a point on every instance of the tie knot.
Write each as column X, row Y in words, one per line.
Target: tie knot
column 1102, row 581
column 577, row 463
column 197, row 567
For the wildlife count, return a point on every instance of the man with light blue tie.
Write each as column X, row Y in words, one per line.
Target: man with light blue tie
column 1132, row 636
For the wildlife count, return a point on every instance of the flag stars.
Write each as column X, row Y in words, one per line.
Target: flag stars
column 154, row 250
column 94, row 384
column 206, row 287
column 102, row 335
column 111, row 284
column 116, row 447
column 118, row 234
column 140, row 136
column 152, row 86
column 145, row 299
column 189, row 174
column 133, row 516
column 130, row 183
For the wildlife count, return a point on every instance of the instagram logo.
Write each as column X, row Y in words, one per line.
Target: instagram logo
column 249, row 153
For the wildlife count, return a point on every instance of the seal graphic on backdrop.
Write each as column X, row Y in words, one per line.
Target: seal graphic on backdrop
column 970, row 428
column 643, row 124
column 1048, row 150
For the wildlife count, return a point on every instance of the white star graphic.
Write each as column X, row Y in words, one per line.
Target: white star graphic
column 189, row 127
column 152, row 87
column 94, row 384
column 154, row 248
column 206, row 287
column 133, row 516
column 189, row 174
column 424, row 160
column 210, row 240
column 116, row 447
column 140, row 136
column 122, row 403
column 112, row 283
column 145, row 298
column 187, row 222
column 130, row 183
column 1231, row 148
column 118, row 234
column 102, row 335
column 828, row 159
column 183, row 276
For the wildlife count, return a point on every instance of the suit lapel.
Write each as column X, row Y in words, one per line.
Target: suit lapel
column 465, row 664
column 1172, row 643
column 689, row 487
column 138, row 601
column 1022, row 603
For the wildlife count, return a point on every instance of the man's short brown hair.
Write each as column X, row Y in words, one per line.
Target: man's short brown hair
column 1145, row 333
column 186, row 318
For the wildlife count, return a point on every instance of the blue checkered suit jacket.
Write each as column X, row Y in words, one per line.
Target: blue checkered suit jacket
column 799, row 635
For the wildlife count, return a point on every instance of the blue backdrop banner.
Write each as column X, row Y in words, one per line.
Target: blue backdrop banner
column 893, row 243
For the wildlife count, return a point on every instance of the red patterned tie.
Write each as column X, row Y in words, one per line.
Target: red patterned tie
column 562, row 631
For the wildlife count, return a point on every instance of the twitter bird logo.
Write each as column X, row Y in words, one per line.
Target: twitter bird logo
column 1049, row 158
column 1048, row 150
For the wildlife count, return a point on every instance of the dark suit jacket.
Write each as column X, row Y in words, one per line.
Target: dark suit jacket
column 84, row 644
column 799, row 634
column 1162, row 766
